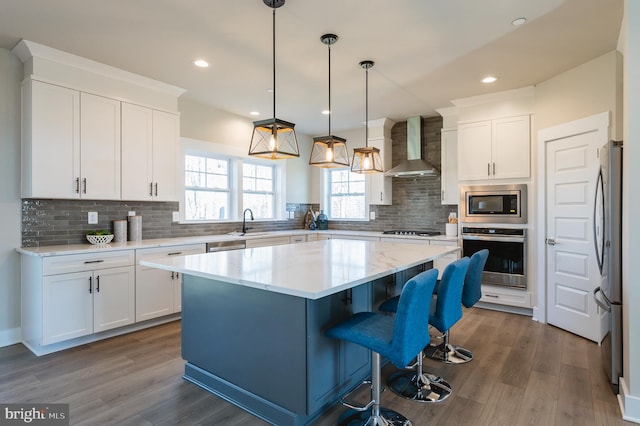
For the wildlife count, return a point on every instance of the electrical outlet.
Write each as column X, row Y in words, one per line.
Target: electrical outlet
column 92, row 218
column 372, row 215
column 132, row 213
column 175, row 216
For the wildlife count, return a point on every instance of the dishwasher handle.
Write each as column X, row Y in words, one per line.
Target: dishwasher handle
column 226, row 246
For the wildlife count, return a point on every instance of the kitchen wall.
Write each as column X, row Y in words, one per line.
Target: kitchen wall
column 416, row 201
column 10, row 77
column 51, row 222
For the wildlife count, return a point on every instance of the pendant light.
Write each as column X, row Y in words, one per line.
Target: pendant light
column 273, row 138
column 367, row 159
column 329, row 151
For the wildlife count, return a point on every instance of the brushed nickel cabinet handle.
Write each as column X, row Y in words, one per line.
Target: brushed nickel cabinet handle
column 84, row 185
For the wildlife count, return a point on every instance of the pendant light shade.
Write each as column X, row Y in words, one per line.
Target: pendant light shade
column 367, row 159
column 273, row 138
column 329, row 151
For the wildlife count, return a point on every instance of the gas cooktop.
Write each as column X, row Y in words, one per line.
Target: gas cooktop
column 426, row 233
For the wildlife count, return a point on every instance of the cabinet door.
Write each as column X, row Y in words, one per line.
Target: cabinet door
column 51, row 155
column 511, row 148
column 137, row 141
column 100, row 143
column 474, row 151
column 114, row 298
column 380, row 186
column 154, row 293
column 67, row 306
column 166, row 131
column 449, row 164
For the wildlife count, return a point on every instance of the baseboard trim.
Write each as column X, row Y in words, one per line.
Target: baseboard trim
column 629, row 404
column 10, row 337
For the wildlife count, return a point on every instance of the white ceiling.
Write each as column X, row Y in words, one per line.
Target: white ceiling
column 426, row 52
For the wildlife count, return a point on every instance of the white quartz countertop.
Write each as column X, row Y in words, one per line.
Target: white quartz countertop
column 311, row 270
column 58, row 250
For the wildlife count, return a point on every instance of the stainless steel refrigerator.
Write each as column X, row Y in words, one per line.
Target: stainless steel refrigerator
column 608, row 231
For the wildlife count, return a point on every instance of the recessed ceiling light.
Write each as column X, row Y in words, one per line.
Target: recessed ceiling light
column 254, row 113
column 518, row 21
column 489, row 79
column 201, row 63
column 326, row 112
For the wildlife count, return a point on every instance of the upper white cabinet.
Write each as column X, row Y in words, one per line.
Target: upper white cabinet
column 149, row 153
column 494, row 149
column 71, row 144
column 380, row 188
column 449, row 167
column 99, row 147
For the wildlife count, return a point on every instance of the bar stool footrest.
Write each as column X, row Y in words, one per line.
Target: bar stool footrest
column 386, row 417
column 355, row 407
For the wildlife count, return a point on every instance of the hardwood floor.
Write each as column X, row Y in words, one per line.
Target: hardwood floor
column 523, row 373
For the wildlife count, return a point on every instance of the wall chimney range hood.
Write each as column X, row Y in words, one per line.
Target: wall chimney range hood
column 414, row 165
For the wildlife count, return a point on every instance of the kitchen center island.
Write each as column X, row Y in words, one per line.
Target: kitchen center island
column 253, row 320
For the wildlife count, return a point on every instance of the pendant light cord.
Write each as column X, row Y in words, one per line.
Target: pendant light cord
column 274, row 61
column 330, row 112
column 366, row 108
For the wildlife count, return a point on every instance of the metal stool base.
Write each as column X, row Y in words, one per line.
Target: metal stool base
column 452, row 355
column 364, row 418
column 423, row 388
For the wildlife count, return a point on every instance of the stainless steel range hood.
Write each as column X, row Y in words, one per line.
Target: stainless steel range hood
column 414, row 165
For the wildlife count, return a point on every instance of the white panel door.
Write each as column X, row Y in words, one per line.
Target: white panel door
column 67, row 306
column 99, row 147
column 166, row 133
column 474, row 151
column 55, row 142
column 137, row 159
column 114, row 298
column 572, row 269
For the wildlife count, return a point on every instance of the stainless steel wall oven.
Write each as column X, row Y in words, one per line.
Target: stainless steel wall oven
column 507, row 262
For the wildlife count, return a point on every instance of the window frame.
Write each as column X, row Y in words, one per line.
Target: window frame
column 326, row 196
column 236, row 160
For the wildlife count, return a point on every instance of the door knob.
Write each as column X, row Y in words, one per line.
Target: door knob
column 550, row 241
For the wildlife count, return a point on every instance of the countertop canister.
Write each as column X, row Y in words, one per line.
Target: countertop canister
column 135, row 228
column 120, row 231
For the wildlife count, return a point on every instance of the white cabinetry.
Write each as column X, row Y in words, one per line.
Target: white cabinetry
column 506, row 296
column 380, row 186
column 494, row 149
column 149, row 153
column 298, row 239
column 269, row 241
column 64, row 297
column 449, row 167
column 71, row 144
column 158, row 292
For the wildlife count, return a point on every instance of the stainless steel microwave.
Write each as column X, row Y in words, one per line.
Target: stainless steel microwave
column 494, row 203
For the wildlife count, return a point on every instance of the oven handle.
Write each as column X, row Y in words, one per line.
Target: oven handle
column 494, row 238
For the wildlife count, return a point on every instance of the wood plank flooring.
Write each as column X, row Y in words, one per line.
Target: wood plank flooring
column 523, row 373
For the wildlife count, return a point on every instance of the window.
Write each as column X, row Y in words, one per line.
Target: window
column 346, row 195
column 207, row 189
column 258, row 189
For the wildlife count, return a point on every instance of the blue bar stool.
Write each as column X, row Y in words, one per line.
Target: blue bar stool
column 417, row 385
column 471, row 293
column 398, row 339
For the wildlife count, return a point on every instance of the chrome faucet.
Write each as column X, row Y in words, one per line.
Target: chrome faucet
column 244, row 220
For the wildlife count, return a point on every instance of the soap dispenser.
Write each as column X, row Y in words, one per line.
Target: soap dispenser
column 323, row 221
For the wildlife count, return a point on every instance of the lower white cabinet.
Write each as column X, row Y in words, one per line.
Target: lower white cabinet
column 64, row 297
column 269, row 241
column 506, row 296
column 158, row 292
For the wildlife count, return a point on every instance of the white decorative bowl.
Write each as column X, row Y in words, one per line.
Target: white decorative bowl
column 100, row 239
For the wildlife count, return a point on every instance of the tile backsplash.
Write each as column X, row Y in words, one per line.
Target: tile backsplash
column 416, row 205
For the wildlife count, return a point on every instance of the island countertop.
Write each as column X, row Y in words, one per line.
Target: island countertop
column 311, row 270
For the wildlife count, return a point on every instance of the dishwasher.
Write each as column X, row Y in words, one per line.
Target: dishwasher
column 226, row 245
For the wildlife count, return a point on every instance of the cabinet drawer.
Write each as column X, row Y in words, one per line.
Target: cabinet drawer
column 160, row 252
column 86, row 262
column 264, row 242
column 510, row 297
column 298, row 239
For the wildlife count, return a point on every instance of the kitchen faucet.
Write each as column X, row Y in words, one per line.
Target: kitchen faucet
column 244, row 220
